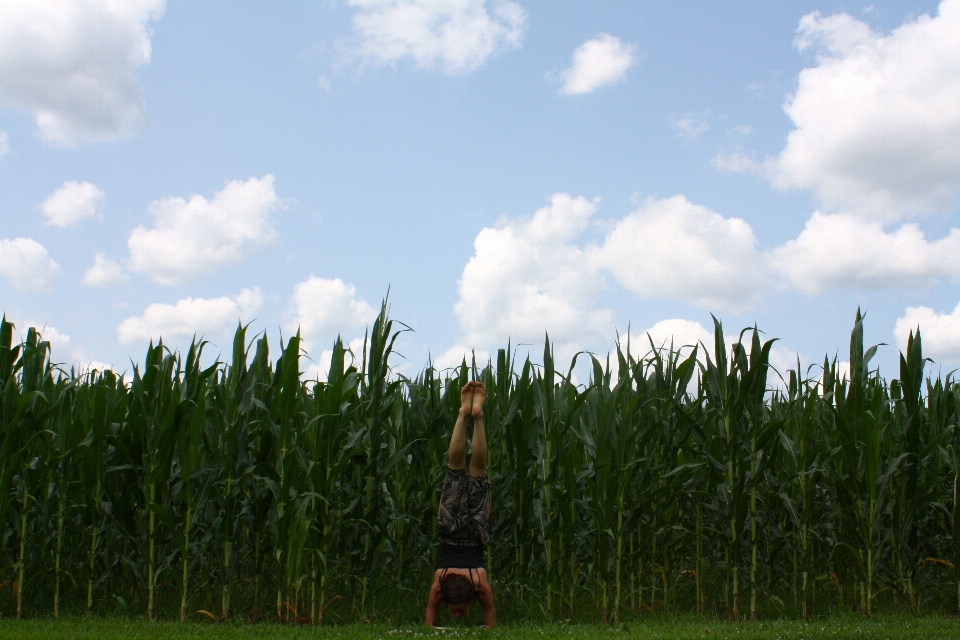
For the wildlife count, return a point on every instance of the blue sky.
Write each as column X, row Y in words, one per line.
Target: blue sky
column 504, row 168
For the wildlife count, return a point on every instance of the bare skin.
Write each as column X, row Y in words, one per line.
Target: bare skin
column 481, row 586
column 472, row 397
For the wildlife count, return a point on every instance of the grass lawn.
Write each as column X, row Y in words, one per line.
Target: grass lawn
column 879, row 627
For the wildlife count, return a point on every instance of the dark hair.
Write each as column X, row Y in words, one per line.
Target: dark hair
column 457, row 589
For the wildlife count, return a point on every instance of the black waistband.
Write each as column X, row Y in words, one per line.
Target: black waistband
column 461, row 557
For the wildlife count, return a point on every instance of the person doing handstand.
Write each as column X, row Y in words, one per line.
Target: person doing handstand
column 464, row 519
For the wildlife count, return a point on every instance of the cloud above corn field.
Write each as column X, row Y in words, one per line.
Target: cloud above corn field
column 454, row 37
column 679, row 333
column 877, row 118
column 210, row 318
column 66, row 354
column 529, row 276
column 843, row 251
column 324, row 308
column 197, row 236
column 506, row 169
column 72, row 65
column 104, row 272
column 672, row 248
column 598, row 62
column 27, row 265
column 71, row 203
column 940, row 332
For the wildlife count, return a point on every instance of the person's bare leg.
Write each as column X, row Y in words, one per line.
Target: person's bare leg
column 457, row 453
column 478, row 444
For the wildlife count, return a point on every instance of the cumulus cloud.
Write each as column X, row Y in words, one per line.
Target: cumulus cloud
column 454, row 36
column 877, row 119
column 196, row 236
column 4, row 143
column 529, row 276
column 685, row 334
column 838, row 251
column 940, row 332
column 682, row 334
column 71, row 203
column 599, row 61
column 735, row 162
column 457, row 354
column 689, row 127
column 72, row 64
column 63, row 351
column 27, row 265
column 537, row 275
column 673, row 248
column 323, row 308
column 205, row 317
column 104, row 273
column 317, row 368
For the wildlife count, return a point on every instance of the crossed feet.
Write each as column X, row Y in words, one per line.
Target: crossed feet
column 471, row 398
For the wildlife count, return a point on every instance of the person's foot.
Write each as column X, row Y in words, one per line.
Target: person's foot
column 479, row 395
column 466, row 399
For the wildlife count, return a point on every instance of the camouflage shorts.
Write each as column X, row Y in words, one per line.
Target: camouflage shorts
column 464, row 514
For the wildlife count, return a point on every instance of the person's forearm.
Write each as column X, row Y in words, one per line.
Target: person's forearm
column 430, row 619
column 490, row 616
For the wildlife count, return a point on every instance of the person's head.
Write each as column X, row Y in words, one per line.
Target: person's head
column 458, row 593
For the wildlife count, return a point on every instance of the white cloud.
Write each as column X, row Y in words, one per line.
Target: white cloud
column 104, row 273
column 27, row 265
column 877, row 120
column 455, row 36
column 940, row 332
column 319, row 368
column 736, row 162
column 689, row 127
column 527, row 277
column 455, row 356
column 4, row 143
column 836, row 251
column 72, row 64
column 783, row 359
column 323, row 308
column 208, row 318
column 89, row 366
column 62, row 351
column 71, row 203
column 197, row 236
column 675, row 249
column 597, row 62
column 59, row 342
column 683, row 334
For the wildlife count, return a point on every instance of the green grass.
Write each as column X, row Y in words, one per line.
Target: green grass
column 663, row 628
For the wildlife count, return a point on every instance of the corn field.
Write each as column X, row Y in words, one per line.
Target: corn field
column 680, row 481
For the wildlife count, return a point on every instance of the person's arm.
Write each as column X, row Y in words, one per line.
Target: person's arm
column 434, row 599
column 485, row 597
